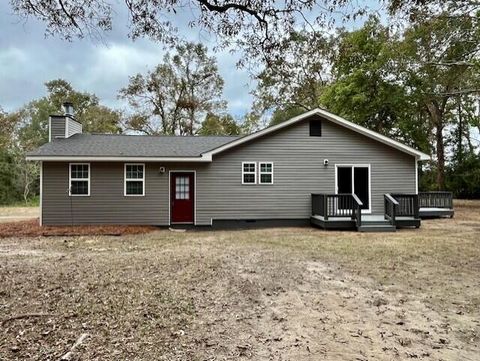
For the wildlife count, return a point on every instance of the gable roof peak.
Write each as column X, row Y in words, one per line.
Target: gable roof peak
column 325, row 114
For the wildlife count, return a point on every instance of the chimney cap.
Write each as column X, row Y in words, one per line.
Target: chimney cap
column 68, row 108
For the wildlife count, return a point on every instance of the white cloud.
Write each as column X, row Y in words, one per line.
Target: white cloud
column 122, row 60
column 11, row 56
column 28, row 60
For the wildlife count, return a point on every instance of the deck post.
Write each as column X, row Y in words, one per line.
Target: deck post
column 416, row 207
column 325, row 207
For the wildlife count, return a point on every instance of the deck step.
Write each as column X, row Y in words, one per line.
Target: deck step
column 376, row 223
column 376, row 226
column 376, row 229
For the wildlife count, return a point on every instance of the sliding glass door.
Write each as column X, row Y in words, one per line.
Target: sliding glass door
column 354, row 179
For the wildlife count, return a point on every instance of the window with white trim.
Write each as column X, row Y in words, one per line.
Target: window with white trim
column 79, row 179
column 134, row 179
column 249, row 173
column 265, row 173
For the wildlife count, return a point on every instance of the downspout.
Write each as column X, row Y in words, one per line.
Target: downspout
column 41, row 194
column 416, row 175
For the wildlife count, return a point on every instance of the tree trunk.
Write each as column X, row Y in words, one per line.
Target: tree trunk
column 26, row 186
column 436, row 116
column 460, row 132
column 440, row 157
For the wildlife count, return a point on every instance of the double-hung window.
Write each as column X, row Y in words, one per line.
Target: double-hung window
column 134, row 180
column 79, row 179
column 265, row 172
column 249, row 173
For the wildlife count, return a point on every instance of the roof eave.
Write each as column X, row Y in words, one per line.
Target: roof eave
column 61, row 158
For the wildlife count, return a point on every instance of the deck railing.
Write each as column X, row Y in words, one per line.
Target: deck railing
column 319, row 205
column 435, row 200
column 407, row 205
column 357, row 210
column 390, row 205
column 337, row 205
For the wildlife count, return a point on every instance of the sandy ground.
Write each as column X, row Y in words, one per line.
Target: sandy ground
column 12, row 214
column 275, row 294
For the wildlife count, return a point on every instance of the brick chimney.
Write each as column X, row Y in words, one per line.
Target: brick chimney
column 63, row 126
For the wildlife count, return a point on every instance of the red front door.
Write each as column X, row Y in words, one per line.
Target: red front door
column 182, row 197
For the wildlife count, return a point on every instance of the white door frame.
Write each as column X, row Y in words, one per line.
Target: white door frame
column 194, row 195
column 353, row 166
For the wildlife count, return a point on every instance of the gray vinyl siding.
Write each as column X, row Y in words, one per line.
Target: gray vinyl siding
column 57, row 127
column 73, row 127
column 298, row 172
column 220, row 195
column 106, row 203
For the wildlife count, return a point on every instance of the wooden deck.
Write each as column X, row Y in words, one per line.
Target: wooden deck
column 343, row 212
column 436, row 204
column 370, row 222
column 426, row 212
column 333, row 222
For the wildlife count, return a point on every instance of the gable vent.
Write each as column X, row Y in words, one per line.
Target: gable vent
column 315, row 128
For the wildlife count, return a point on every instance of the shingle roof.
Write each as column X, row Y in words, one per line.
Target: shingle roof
column 92, row 145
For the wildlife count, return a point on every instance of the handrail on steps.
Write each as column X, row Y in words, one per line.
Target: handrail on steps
column 357, row 211
column 390, row 208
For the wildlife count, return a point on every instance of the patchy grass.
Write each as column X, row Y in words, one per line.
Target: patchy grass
column 275, row 294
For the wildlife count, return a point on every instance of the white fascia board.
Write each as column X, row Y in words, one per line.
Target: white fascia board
column 374, row 135
column 332, row 117
column 50, row 158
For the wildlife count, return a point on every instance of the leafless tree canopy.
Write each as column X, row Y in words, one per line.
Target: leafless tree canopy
column 254, row 25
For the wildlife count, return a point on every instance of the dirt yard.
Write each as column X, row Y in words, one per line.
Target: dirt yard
column 276, row 294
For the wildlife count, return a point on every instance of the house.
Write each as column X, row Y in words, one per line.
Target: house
column 316, row 167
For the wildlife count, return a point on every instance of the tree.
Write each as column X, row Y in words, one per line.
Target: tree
column 285, row 113
column 350, row 73
column 8, row 123
column 177, row 94
column 464, row 177
column 101, row 119
column 296, row 76
column 219, row 125
column 440, row 66
column 8, row 187
column 251, row 122
column 253, row 25
column 33, row 125
column 27, row 129
column 367, row 88
column 421, row 9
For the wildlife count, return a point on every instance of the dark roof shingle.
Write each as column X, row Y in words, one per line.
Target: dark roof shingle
column 105, row 145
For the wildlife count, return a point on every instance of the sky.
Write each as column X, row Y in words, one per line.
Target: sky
column 28, row 59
